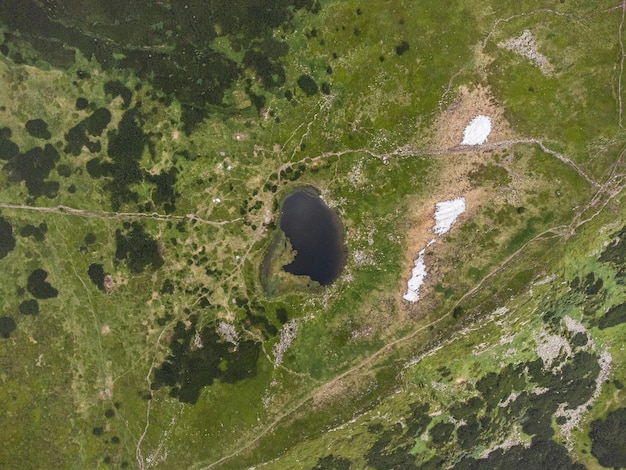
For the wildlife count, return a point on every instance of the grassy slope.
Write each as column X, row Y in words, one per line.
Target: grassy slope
column 374, row 107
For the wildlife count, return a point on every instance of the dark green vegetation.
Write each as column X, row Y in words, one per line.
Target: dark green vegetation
column 7, row 326
column 137, row 247
column 7, row 241
column 308, row 85
column 538, row 454
column 38, row 128
column 169, row 43
column 79, row 135
column 39, row 287
column 198, row 358
column 330, row 462
column 146, row 150
column 96, row 274
column 29, row 307
column 38, row 233
column 33, row 167
column 614, row 316
column 477, row 421
column 607, row 439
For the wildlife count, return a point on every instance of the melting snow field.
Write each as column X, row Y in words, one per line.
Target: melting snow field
column 417, row 279
column 446, row 213
column 477, row 131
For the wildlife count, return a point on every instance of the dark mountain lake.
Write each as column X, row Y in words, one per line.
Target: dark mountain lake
column 316, row 233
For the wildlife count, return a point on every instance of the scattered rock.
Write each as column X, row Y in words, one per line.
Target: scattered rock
column 525, row 46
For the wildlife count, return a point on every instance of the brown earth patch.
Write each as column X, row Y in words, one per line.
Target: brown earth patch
column 453, row 179
column 342, row 389
column 453, row 182
column 449, row 127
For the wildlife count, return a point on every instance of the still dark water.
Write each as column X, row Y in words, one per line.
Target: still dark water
column 316, row 232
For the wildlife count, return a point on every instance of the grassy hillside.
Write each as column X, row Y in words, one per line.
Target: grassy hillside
column 146, row 150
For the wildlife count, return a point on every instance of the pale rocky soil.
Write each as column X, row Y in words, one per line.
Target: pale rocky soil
column 550, row 347
column 469, row 103
column 287, row 335
column 228, row 333
column 525, row 46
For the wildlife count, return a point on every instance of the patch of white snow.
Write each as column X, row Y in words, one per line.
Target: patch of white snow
column 477, row 131
column 446, row 213
column 417, row 279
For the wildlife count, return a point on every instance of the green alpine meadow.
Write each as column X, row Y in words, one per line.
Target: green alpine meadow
column 312, row 234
